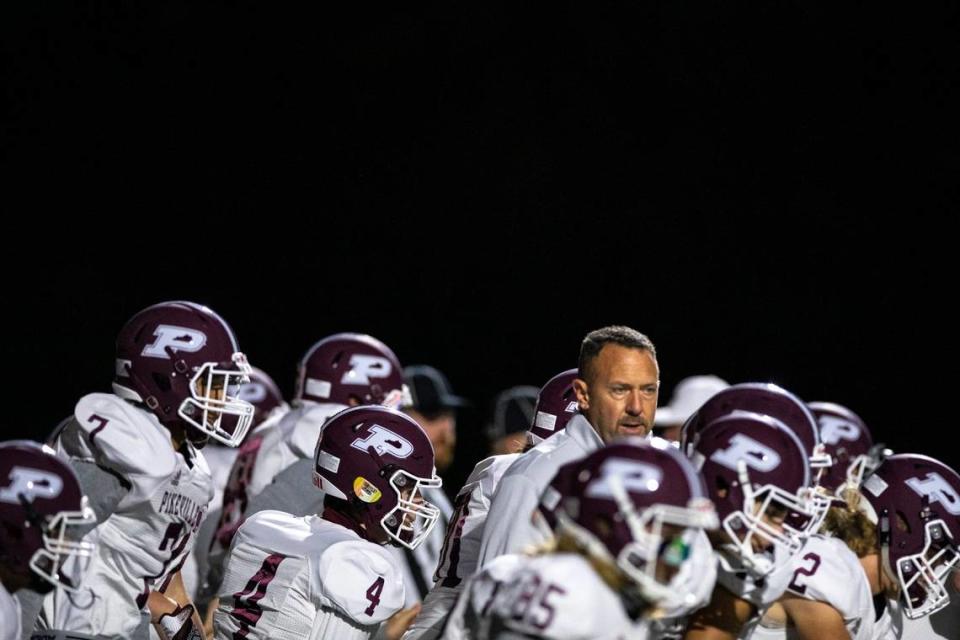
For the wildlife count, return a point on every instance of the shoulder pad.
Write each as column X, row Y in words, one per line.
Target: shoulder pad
column 124, row 438
column 360, row 579
column 305, row 431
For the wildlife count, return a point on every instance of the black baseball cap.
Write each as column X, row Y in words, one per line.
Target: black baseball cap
column 512, row 411
column 430, row 390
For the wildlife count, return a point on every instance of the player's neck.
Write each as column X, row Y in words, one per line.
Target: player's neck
column 12, row 582
column 334, row 516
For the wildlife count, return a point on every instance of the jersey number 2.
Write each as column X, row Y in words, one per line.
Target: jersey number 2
column 804, row 571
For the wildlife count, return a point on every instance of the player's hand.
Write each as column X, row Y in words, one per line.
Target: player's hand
column 399, row 622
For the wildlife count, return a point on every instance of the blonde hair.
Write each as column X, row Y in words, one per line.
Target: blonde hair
column 854, row 528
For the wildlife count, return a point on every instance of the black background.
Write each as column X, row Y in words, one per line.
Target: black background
column 764, row 189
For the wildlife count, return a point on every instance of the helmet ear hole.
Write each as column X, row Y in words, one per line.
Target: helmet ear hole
column 12, row 532
column 903, row 524
column 723, row 488
column 162, row 382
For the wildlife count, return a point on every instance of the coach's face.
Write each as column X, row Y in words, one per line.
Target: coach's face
column 618, row 394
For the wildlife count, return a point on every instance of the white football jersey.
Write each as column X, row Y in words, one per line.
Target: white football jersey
column 236, row 490
column 294, row 439
column 151, row 532
column 556, row 596
column 461, row 546
column 220, row 460
column 511, row 527
column 826, row 570
column 9, row 615
column 292, row 578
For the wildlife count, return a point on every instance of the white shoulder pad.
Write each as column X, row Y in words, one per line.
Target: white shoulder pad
column 502, row 567
column 489, row 471
column 360, row 579
column 492, row 467
column 302, row 438
column 124, row 438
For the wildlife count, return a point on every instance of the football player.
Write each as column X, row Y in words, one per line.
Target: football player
column 43, row 517
column 625, row 518
column 340, row 371
column 136, row 453
column 330, row 576
column 757, row 472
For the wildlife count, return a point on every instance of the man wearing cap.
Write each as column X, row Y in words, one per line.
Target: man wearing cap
column 689, row 395
column 513, row 412
column 434, row 408
column 616, row 392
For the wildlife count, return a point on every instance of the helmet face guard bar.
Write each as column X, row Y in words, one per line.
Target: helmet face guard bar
column 639, row 558
column 62, row 541
column 410, row 522
column 805, row 513
column 205, row 410
column 922, row 576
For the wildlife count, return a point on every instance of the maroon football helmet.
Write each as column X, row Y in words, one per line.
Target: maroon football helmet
column 379, row 459
column 847, row 440
column 556, row 404
column 352, row 366
column 754, row 466
column 181, row 360
column 766, row 399
column 915, row 502
column 264, row 394
column 42, row 510
column 617, row 501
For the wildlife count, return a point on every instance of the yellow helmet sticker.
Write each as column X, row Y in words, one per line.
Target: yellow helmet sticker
column 366, row 490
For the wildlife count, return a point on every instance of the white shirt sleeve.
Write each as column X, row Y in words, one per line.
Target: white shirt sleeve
column 509, row 526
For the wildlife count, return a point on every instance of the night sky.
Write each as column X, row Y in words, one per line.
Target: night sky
column 764, row 190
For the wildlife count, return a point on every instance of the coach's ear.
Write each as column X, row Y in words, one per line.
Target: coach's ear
column 582, row 389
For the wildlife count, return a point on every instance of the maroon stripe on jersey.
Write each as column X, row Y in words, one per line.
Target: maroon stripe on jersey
column 246, row 611
column 235, row 496
column 452, row 542
column 142, row 598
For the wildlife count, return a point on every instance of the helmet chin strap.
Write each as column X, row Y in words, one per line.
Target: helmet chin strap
column 883, row 533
